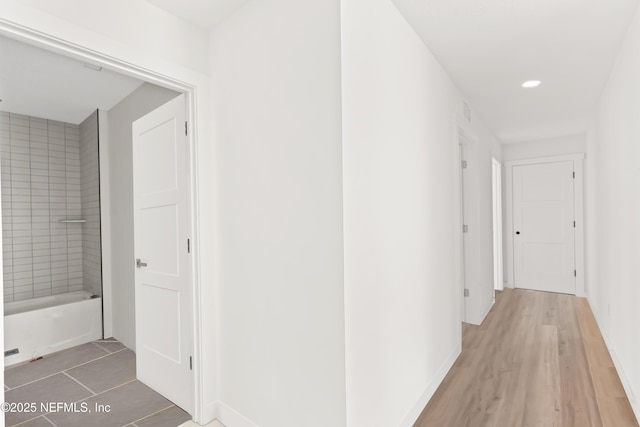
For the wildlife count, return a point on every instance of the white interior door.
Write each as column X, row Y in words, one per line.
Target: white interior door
column 544, row 227
column 163, row 282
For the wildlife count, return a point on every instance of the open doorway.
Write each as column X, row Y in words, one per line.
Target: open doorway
column 112, row 199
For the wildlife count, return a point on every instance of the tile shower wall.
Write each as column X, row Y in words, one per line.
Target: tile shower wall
column 40, row 165
column 90, row 202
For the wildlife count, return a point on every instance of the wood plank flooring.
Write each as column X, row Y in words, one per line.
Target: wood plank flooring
column 537, row 360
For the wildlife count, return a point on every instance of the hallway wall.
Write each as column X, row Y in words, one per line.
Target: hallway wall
column 614, row 166
column 401, row 169
column 558, row 146
column 276, row 68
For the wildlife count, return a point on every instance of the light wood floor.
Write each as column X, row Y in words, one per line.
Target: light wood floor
column 537, row 360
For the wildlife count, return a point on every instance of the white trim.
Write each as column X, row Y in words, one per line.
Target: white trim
column 230, row 417
column 2, row 335
column 498, row 254
column 419, row 406
column 46, row 41
column 465, row 140
column 458, row 246
column 578, row 160
column 578, row 209
column 486, row 311
column 626, row 384
column 105, row 223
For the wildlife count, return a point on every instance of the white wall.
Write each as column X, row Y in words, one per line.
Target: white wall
column 159, row 33
column 614, row 136
column 558, row 146
column 119, row 145
column 276, row 72
column 401, row 197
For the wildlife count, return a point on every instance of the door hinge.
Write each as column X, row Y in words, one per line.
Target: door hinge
column 575, row 273
column 185, row 129
column 466, row 292
column 465, row 228
column 188, row 246
column 464, row 164
column 574, row 224
column 574, row 175
column 191, row 363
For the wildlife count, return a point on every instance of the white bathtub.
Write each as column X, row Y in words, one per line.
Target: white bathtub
column 45, row 325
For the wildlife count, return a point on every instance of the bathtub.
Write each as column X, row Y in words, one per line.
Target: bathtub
column 45, row 325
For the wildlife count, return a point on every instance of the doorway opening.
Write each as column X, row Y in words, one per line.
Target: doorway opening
column 545, row 242
column 149, row 81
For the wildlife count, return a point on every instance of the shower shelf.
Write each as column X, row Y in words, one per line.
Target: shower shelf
column 66, row 221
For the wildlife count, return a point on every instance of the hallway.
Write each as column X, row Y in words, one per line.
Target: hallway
column 537, row 360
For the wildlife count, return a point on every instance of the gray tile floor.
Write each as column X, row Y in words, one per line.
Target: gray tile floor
column 90, row 385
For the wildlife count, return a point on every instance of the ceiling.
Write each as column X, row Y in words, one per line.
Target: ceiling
column 206, row 14
column 43, row 84
column 490, row 47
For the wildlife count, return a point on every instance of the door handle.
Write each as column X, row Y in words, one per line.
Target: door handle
column 139, row 263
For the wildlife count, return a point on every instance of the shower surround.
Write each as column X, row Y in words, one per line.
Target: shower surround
column 49, row 174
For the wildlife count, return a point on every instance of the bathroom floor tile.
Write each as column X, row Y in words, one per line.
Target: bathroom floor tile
column 37, row 422
column 127, row 404
column 109, row 344
column 57, row 388
column 171, row 417
column 108, row 372
column 51, row 364
column 70, row 376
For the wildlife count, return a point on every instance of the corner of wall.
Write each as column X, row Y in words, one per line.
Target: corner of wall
column 431, row 388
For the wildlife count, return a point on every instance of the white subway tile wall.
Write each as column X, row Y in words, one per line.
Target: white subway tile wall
column 41, row 175
column 90, row 203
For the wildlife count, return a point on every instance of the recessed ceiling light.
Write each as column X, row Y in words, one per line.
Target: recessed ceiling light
column 531, row 84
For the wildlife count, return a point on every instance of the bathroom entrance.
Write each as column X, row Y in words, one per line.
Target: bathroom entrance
column 112, row 218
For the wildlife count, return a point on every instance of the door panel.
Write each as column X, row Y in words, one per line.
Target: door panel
column 163, row 283
column 543, row 221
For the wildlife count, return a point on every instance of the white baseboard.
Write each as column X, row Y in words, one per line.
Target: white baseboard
column 230, row 417
column 635, row 406
column 486, row 311
column 580, row 293
column 209, row 412
column 214, row 423
column 415, row 412
column 625, row 383
column 478, row 320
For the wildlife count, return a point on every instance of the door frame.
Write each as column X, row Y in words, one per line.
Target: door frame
column 464, row 140
column 56, row 45
column 498, row 255
column 578, row 203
